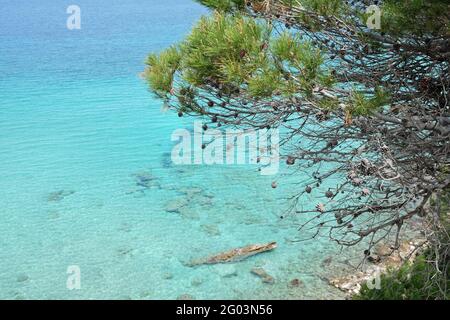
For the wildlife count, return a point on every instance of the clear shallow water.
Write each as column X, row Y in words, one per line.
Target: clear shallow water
column 79, row 131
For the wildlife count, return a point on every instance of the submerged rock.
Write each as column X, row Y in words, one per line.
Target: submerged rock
column 188, row 213
column 146, row 180
column 176, row 204
column 22, row 278
column 125, row 252
column 166, row 161
column 190, row 191
column 125, row 227
column 144, row 176
column 135, row 190
column 167, row 276
column 209, row 195
column 295, row 283
column 195, row 282
column 252, row 219
column 226, row 270
column 53, row 215
column 265, row 277
column 59, row 195
column 326, row 262
column 204, row 201
column 211, row 229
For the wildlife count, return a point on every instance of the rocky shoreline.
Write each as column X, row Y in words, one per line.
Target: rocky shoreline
column 384, row 258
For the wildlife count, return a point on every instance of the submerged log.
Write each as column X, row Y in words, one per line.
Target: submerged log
column 235, row 254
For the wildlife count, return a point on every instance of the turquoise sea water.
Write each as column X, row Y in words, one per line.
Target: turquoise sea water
column 86, row 177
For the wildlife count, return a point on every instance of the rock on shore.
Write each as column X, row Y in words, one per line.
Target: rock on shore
column 384, row 258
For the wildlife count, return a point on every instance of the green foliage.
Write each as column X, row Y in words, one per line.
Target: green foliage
column 416, row 281
column 399, row 17
column 322, row 7
column 337, row 8
column 361, row 104
column 232, row 51
column 225, row 49
column 424, row 278
column 302, row 59
column 407, row 283
column 414, row 16
column 230, row 57
column 161, row 69
column 287, row 48
column 224, row 5
column 325, row 7
column 242, row 54
column 186, row 99
column 299, row 54
column 445, row 200
column 265, row 83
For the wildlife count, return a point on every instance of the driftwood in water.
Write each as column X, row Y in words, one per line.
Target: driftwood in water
column 235, row 254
